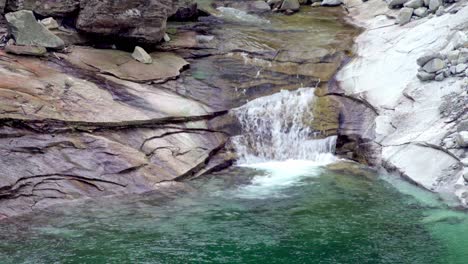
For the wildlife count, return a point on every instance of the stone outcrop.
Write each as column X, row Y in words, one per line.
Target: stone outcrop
column 27, row 31
column 138, row 20
column 45, row 7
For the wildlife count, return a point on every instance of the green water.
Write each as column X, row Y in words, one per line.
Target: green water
column 308, row 215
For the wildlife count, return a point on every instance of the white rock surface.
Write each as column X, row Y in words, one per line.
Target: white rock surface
column 384, row 73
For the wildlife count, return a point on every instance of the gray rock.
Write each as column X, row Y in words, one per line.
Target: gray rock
column 427, row 57
column 421, row 12
column 166, row 38
column 405, row 15
column 27, row 31
column 453, row 69
column 424, row 76
column 426, row 2
column 50, row 23
column 414, row 4
column 142, row 56
column 440, row 11
column 462, row 139
column 440, row 77
column 458, row 39
column 461, row 68
column 434, row 4
column 434, row 65
column 465, row 174
column 290, row 5
column 331, row 2
column 453, row 55
column 45, row 8
column 2, row 6
column 463, row 57
column 316, row 4
column 396, row 3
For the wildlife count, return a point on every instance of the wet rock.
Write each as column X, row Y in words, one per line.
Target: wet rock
column 405, row 15
column 26, row 50
column 414, row 4
column 141, row 55
column 396, row 3
column 137, row 20
column 434, row 4
column 45, row 7
column 50, row 23
column 165, row 65
column 331, row 2
column 421, row 12
column 424, row 76
column 430, row 55
column 292, row 5
column 27, row 31
column 462, row 139
column 434, row 65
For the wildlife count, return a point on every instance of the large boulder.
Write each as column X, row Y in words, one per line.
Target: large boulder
column 44, row 7
column 27, row 31
column 184, row 10
column 138, row 20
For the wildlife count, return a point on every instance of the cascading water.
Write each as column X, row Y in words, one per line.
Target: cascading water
column 277, row 128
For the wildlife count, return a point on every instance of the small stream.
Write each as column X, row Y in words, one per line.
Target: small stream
column 288, row 200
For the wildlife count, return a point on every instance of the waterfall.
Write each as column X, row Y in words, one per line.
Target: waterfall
column 277, row 128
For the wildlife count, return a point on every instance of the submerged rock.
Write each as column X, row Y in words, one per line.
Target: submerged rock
column 141, row 55
column 27, row 31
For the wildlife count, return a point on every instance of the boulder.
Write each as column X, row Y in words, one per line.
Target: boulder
column 458, row 39
column 434, row 65
column 26, row 50
column 331, row 2
column 452, row 56
column 440, row 77
column 414, row 4
column 420, row 12
column 427, row 57
column 440, row 11
column 396, row 3
column 290, row 5
column 424, row 76
column 45, row 7
column 141, row 55
column 138, row 20
column 460, row 68
column 27, row 31
column 434, row 4
column 405, row 15
column 462, row 139
column 465, row 174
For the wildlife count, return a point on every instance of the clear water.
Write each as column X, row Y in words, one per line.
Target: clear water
column 279, row 212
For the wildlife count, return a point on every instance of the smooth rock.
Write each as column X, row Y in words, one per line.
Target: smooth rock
column 421, row 12
column 27, row 31
column 434, row 65
column 166, row 37
column 427, row 57
column 50, row 23
column 426, row 2
column 462, row 139
column 331, row 2
column 405, row 15
column 424, row 76
column 461, row 68
column 290, row 5
column 142, row 56
column 440, row 77
column 414, row 4
column 453, row 55
column 316, row 4
column 458, row 39
column 434, row 4
column 440, row 11
column 45, row 8
column 396, row 3
column 26, row 50
column 137, row 20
